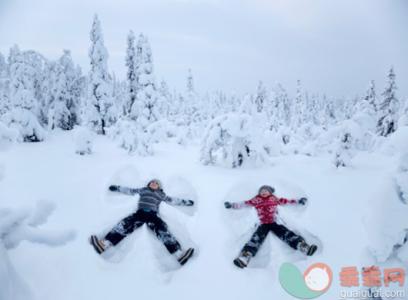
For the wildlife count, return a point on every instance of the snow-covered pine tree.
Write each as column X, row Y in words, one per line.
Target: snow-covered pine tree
column 260, row 98
column 298, row 108
column 342, row 153
column 365, row 110
column 165, row 101
column 4, row 86
column 282, row 105
column 192, row 108
column 190, row 82
column 144, row 109
column 233, row 141
column 350, row 135
column 132, row 76
column 64, row 107
column 120, row 93
column 48, row 89
column 371, row 96
column 248, row 105
column 330, row 112
column 281, row 118
column 101, row 110
column 75, row 86
column 24, row 107
column 3, row 64
column 36, row 63
column 388, row 108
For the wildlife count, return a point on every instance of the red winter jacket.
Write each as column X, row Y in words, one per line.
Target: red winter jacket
column 266, row 207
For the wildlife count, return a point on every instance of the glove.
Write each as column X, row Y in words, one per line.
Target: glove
column 114, row 188
column 189, row 203
column 227, row 205
column 302, row 201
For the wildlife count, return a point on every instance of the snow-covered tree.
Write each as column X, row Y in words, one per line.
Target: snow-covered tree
column 144, row 109
column 3, row 64
column 371, row 96
column 342, row 154
column 388, row 108
column 101, row 110
column 120, row 96
column 165, row 101
column 75, row 86
column 64, row 105
column 298, row 108
column 131, row 137
column 22, row 116
column 282, row 115
column 231, row 140
column 329, row 112
column 349, row 136
column 260, row 98
column 4, row 86
column 192, row 109
column 132, row 76
column 365, row 110
column 190, row 82
column 248, row 105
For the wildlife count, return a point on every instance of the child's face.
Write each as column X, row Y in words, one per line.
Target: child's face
column 265, row 193
column 154, row 185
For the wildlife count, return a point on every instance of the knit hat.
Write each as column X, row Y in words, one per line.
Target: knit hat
column 159, row 183
column 266, row 187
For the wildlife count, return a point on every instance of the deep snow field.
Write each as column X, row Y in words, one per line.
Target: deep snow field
column 354, row 214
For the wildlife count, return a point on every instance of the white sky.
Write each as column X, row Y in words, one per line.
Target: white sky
column 334, row 47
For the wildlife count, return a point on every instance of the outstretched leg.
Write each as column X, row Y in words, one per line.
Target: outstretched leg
column 156, row 224
column 251, row 248
column 256, row 240
column 286, row 235
column 124, row 228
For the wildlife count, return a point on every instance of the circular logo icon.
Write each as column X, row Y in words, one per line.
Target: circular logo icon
column 318, row 277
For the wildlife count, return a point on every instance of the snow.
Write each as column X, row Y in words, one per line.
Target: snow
column 397, row 143
column 350, row 213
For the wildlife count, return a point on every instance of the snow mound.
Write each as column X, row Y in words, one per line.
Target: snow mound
column 397, row 142
column 385, row 222
column 15, row 227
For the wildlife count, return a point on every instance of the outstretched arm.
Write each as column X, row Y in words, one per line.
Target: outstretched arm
column 178, row 201
column 124, row 190
column 238, row 205
column 284, row 201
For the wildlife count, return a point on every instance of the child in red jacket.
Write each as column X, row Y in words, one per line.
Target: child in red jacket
column 266, row 205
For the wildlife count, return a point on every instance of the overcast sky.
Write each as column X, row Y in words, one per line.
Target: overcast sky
column 334, row 47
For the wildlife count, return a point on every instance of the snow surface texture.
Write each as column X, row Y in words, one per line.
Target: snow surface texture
column 354, row 214
column 17, row 226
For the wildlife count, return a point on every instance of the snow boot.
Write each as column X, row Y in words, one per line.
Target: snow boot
column 243, row 259
column 184, row 256
column 100, row 246
column 306, row 249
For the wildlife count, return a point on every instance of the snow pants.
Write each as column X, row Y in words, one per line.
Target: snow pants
column 260, row 234
column 153, row 222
